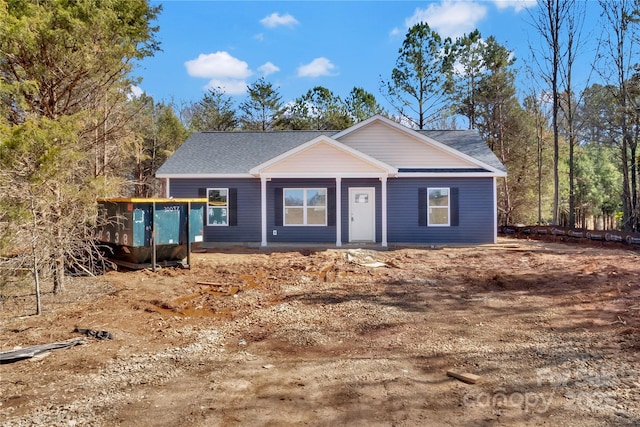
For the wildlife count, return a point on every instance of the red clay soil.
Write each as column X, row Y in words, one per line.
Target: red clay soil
column 338, row 337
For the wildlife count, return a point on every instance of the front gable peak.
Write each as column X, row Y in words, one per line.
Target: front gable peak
column 323, row 156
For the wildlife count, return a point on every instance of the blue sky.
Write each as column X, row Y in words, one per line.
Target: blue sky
column 297, row 45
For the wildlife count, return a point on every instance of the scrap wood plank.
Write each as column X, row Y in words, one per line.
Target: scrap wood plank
column 209, row 284
column 29, row 352
column 464, row 376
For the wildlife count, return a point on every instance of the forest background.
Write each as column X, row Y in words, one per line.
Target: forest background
column 72, row 129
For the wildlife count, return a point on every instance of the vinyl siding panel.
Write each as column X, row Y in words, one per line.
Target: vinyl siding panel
column 475, row 210
column 322, row 158
column 247, row 229
column 476, row 207
column 399, row 149
column 296, row 234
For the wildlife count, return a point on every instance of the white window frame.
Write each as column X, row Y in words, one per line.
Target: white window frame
column 226, row 224
column 448, row 207
column 304, row 207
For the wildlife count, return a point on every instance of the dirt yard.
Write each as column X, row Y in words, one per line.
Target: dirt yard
column 338, row 337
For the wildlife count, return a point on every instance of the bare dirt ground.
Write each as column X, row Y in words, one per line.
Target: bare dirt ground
column 316, row 338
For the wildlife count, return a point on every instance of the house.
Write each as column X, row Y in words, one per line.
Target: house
column 377, row 182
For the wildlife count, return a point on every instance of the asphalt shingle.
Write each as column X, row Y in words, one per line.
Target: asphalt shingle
column 238, row 152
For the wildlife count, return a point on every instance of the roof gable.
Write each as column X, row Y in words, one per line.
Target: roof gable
column 406, row 148
column 323, row 156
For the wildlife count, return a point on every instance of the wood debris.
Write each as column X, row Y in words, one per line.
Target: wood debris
column 464, row 376
column 29, row 352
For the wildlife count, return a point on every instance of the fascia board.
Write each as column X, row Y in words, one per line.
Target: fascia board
column 450, row 174
column 204, row 175
column 330, row 175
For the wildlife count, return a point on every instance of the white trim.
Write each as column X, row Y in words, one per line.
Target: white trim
column 226, row 224
column 263, row 210
column 205, row 175
column 257, row 170
column 338, row 212
column 166, row 188
column 384, row 212
column 373, row 206
column 449, row 174
column 330, row 175
column 340, row 174
column 448, row 207
column 419, row 136
column 304, row 207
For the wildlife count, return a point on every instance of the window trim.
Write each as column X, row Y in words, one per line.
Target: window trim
column 448, row 207
column 218, row 207
column 304, row 207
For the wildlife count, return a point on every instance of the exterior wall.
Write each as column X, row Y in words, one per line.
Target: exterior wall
column 322, row 158
column 247, row 229
column 297, row 234
column 475, row 200
column 400, row 150
column 476, row 208
column 349, row 183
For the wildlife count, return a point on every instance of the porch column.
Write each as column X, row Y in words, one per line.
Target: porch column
column 384, row 211
column 338, row 212
column 263, row 209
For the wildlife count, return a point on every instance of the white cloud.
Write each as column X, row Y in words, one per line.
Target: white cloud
column 259, row 37
column 316, row 68
column 136, row 91
column 450, row 18
column 276, row 20
column 228, row 86
column 268, row 68
column 219, row 65
column 517, row 5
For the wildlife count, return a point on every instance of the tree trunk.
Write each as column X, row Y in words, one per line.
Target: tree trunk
column 627, row 209
column 572, row 195
column 58, row 275
column 34, row 254
column 634, row 217
column 507, row 202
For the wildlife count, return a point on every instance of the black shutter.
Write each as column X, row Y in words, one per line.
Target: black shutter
column 202, row 192
column 422, row 207
column 455, row 207
column 232, row 200
column 277, row 206
column 331, row 206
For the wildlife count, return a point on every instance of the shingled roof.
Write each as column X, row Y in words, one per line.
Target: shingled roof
column 232, row 152
column 468, row 142
column 235, row 153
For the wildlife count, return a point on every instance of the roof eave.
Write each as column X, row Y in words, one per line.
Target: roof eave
column 203, row 175
column 451, row 174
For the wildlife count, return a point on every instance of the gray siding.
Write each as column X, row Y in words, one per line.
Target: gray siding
column 297, row 234
column 248, row 213
column 475, row 211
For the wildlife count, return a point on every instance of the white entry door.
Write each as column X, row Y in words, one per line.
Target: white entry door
column 362, row 214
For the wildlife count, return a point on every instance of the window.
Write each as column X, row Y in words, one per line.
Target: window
column 305, row 206
column 217, row 206
column 438, row 207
